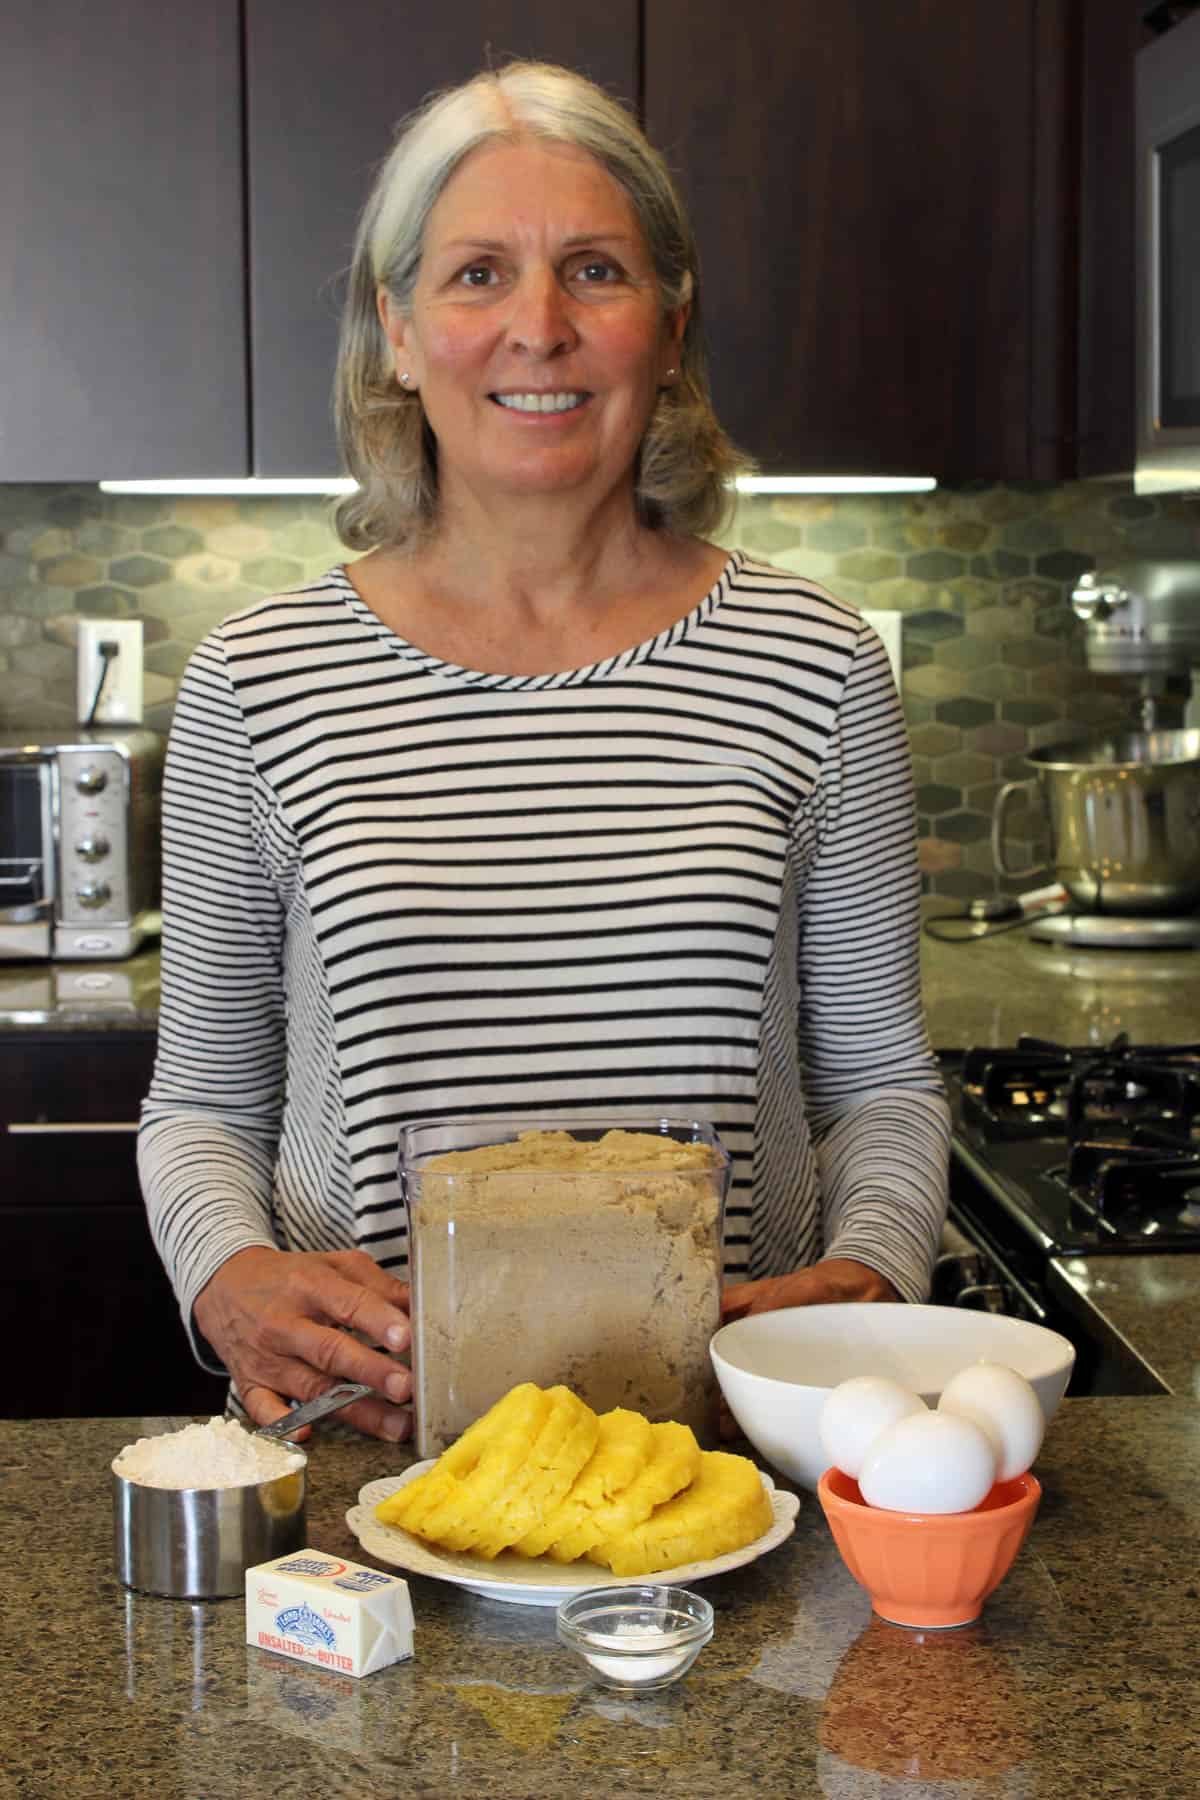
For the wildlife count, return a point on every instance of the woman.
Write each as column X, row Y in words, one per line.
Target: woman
column 544, row 803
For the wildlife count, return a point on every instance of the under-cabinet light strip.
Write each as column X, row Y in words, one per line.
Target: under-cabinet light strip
column 317, row 484
column 218, row 484
column 835, row 484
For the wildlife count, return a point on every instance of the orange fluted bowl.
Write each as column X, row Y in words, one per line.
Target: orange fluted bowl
column 931, row 1570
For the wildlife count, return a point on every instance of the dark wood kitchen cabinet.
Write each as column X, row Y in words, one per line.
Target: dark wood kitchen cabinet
column 182, row 186
column 888, row 202
column 91, row 1323
column 1112, row 33
column 915, row 222
column 121, row 306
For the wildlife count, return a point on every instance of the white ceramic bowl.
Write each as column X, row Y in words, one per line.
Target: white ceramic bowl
column 776, row 1368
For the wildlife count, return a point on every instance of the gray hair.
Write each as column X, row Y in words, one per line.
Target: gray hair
column 685, row 465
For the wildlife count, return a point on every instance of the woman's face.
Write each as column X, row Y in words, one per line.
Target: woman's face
column 536, row 337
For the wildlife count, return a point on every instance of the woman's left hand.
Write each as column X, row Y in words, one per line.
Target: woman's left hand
column 835, row 1279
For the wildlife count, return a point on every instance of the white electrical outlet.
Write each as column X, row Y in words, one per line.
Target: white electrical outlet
column 887, row 624
column 120, row 700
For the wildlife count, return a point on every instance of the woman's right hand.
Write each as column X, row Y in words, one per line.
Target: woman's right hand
column 282, row 1322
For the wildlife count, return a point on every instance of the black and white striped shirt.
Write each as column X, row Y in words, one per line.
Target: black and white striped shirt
column 679, row 882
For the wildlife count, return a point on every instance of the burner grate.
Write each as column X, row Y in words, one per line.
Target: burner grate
column 1115, row 1096
column 1134, row 1191
column 1096, row 1148
column 1017, row 1092
column 1042, row 1089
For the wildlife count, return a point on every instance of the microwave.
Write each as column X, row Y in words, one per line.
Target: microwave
column 79, row 842
column 1167, row 276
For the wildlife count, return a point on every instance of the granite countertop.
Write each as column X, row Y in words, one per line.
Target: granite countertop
column 1083, row 1676
column 990, row 989
column 983, row 991
column 81, row 996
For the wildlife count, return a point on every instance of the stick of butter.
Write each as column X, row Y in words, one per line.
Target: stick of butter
column 322, row 1610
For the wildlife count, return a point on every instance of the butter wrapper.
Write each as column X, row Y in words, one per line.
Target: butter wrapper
column 334, row 1614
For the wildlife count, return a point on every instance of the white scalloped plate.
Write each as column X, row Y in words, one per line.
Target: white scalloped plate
column 529, row 1581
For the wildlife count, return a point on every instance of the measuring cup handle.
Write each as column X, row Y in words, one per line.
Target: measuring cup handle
column 1004, row 800
column 344, row 1394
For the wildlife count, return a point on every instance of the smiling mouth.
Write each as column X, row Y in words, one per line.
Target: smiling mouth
column 540, row 403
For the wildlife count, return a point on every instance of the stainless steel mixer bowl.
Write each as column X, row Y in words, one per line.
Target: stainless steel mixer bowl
column 197, row 1543
column 1124, row 821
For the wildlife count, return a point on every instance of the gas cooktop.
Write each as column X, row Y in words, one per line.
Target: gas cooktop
column 1087, row 1150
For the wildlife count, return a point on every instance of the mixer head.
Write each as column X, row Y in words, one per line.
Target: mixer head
column 1142, row 621
column 1142, row 618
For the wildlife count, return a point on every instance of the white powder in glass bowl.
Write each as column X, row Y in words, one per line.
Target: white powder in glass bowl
column 221, row 1454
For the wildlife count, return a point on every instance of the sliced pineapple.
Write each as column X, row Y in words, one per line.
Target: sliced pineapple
column 672, row 1464
column 723, row 1508
column 440, row 1504
column 559, row 1451
column 541, row 1474
column 498, row 1457
column 622, row 1449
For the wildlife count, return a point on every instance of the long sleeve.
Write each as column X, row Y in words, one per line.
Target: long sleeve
column 875, row 1097
column 210, row 1124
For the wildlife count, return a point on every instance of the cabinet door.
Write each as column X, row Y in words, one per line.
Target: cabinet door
column 84, row 1295
column 1113, row 33
column 82, row 1289
column 121, row 289
column 861, row 181
column 51, row 1081
column 326, row 87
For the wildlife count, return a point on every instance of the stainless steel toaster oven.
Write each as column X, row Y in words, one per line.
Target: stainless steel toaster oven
column 79, row 842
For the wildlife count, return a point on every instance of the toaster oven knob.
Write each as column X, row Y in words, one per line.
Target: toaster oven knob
column 93, row 893
column 92, row 849
column 91, row 780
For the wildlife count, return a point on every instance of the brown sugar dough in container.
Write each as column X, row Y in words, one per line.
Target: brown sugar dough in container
column 549, row 1258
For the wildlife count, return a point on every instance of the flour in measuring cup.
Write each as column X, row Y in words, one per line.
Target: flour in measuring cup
column 220, row 1454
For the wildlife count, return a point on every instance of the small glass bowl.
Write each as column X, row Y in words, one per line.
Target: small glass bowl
column 636, row 1639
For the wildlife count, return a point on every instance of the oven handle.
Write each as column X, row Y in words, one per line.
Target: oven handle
column 1014, row 1282
column 26, row 868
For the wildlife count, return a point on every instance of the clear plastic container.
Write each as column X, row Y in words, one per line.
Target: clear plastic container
column 581, row 1251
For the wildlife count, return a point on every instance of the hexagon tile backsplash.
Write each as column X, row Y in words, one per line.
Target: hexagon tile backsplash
column 982, row 574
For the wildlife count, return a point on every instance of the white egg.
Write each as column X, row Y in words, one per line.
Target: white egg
column 930, row 1462
column 854, row 1414
column 1005, row 1406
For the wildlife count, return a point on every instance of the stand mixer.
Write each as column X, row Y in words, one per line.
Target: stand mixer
column 1124, row 809
column 1142, row 621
